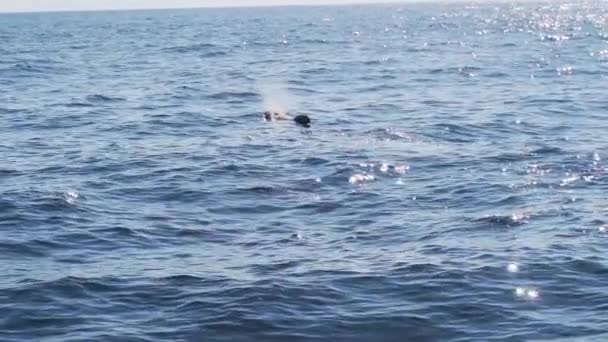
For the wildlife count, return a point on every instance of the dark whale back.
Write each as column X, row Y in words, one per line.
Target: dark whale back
column 267, row 116
column 302, row 120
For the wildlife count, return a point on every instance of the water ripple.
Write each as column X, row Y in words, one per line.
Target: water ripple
column 450, row 186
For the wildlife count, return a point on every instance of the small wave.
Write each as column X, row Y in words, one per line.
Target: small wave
column 276, row 267
column 547, row 150
column 587, row 266
column 10, row 111
column 190, row 48
column 555, row 37
column 53, row 203
column 466, row 70
column 28, row 68
column 199, row 234
column 314, row 161
column 322, row 207
column 379, row 88
column 78, row 47
column 372, row 62
column 74, row 287
column 8, row 172
column 187, row 88
column 17, row 322
column 497, row 74
column 213, row 54
column 98, row 98
column 79, row 105
column 22, row 249
column 233, row 95
column 316, row 70
column 393, row 134
column 117, row 232
column 573, row 178
column 455, row 133
column 264, row 190
column 504, row 220
column 168, row 123
column 190, row 280
column 321, row 42
column 254, row 209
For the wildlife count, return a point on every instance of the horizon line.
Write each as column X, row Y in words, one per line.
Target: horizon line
column 237, row 6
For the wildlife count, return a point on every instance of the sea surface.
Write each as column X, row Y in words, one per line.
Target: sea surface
column 452, row 185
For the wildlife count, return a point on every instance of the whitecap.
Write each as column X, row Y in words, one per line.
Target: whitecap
column 566, row 70
column 71, row 197
column 532, row 293
column 360, row 178
column 402, row 169
column 569, row 180
column 527, row 293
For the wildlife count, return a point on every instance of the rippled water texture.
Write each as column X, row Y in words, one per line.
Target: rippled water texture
column 452, row 186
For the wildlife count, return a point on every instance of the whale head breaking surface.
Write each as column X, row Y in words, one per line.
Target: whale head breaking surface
column 302, row 119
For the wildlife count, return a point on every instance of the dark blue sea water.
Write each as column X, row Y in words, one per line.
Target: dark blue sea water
column 452, row 186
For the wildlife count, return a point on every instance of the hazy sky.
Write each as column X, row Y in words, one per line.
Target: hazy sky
column 61, row 5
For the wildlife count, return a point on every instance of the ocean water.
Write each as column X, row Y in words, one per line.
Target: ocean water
column 452, row 186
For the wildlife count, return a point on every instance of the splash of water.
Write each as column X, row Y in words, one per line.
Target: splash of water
column 276, row 97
